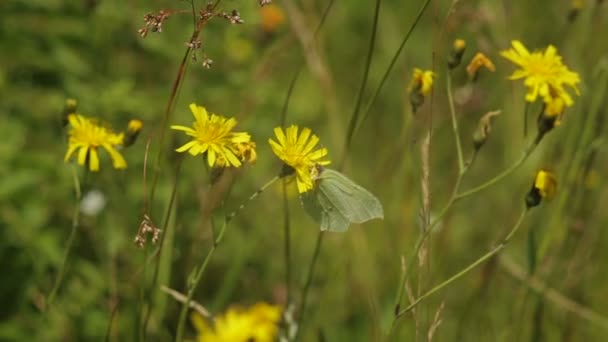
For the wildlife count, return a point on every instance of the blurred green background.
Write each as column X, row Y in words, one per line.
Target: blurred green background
column 90, row 50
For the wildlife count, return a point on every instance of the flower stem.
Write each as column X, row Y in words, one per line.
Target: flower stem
column 352, row 124
column 456, row 196
column 71, row 238
column 388, row 71
column 305, row 290
column 454, row 123
column 287, row 243
column 160, row 253
column 527, row 152
column 198, row 273
column 469, row 268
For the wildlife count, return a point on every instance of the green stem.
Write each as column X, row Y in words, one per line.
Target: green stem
column 391, row 65
column 469, row 268
column 287, row 243
column 163, row 228
column 305, row 290
column 456, row 196
column 198, row 275
column 527, row 152
column 454, row 123
column 198, row 27
column 352, row 124
column 71, row 238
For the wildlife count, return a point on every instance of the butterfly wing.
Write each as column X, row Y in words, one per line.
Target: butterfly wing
column 353, row 202
column 318, row 206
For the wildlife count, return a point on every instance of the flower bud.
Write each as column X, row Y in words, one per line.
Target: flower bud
column 133, row 129
column 478, row 61
column 455, row 56
column 543, row 187
column 420, row 86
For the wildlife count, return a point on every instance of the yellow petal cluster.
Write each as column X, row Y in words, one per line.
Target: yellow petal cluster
column 212, row 135
column 86, row 136
column 478, row 61
column 297, row 151
column 543, row 73
column 545, row 183
column 258, row 323
column 422, row 81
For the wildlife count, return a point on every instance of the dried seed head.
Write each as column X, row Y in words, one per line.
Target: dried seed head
column 234, row 17
column 207, row 62
column 484, row 127
column 146, row 227
column 153, row 22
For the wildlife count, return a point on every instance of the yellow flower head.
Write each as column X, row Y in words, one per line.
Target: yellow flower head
column 545, row 183
column 296, row 151
column 133, row 129
column 258, row 323
column 134, row 126
column 478, row 61
column 543, row 187
column 542, row 71
column 212, row 134
column 459, row 45
column 455, row 56
column 422, row 81
column 86, row 136
column 272, row 17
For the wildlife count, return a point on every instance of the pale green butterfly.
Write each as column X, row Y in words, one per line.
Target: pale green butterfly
column 337, row 201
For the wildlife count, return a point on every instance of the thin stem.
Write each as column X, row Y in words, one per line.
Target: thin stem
column 71, row 238
column 456, row 196
column 527, row 152
column 305, row 290
column 526, row 108
column 454, row 123
column 543, row 289
column 469, row 268
column 287, row 243
column 368, row 62
column 162, row 239
column 393, row 62
column 172, row 97
column 198, row 274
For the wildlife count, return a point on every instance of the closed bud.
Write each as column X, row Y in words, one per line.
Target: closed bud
column 456, row 53
column 133, row 129
column 543, row 187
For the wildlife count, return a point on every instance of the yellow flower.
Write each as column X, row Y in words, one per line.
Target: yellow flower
column 86, row 136
column 134, row 126
column 244, row 151
column 555, row 107
column 212, row 134
column 545, row 183
column 422, row 81
column 258, row 323
column 543, row 187
column 133, row 129
column 296, row 151
column 478, row 61
column 543, row 72
column 459, row 45
column 455, row 55
column 272, row 17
